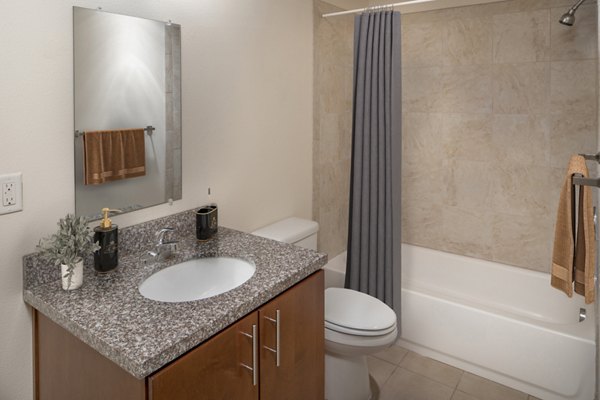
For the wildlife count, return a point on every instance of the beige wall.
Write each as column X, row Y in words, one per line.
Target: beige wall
column 247, row 128
column 495, row 98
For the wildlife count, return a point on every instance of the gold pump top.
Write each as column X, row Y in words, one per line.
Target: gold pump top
column 106, row 222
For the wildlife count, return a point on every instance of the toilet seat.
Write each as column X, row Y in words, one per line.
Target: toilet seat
column 358, row 344
column 358, row 332
column 355, row 313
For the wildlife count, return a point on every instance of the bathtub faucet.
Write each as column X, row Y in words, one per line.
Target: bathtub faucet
column 582, row 314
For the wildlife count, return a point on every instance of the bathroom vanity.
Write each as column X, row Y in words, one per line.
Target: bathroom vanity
column 261, row 340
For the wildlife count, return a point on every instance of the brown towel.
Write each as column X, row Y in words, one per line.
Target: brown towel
column 585, row 251
column 113, row 155
column 563, row 260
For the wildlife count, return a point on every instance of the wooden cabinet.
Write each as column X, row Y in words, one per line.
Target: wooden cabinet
column 300, row 373
column 273, row 353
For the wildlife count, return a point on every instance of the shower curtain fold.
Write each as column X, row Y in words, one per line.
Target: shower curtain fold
column 373, row 263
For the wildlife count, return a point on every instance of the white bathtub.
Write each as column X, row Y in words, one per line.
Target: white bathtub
column 497, row 321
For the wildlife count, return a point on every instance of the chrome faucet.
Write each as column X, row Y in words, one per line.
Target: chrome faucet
column 163, row 249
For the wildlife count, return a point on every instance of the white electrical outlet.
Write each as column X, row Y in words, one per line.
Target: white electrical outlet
column 11, row 189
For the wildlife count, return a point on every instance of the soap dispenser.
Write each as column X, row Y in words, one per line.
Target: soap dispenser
column 107, row 236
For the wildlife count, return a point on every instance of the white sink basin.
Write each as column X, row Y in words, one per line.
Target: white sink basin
column 197, row 279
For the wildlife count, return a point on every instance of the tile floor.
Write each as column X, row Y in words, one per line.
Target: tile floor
column 404, row 375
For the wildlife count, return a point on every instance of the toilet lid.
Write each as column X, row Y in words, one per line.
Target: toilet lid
column 357, row 311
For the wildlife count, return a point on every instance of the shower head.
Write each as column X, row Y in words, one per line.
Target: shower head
column 568, row 18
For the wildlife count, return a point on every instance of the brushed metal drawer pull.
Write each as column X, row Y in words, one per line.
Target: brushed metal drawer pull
column 254, row 367
column 277, row 349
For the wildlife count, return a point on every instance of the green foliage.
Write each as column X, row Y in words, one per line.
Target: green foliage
column 71, row 242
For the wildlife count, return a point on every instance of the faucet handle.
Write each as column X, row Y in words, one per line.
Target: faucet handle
column 161, row 234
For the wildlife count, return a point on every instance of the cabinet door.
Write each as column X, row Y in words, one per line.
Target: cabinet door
column 68, row 369
column 300, row 373
column 217, row 369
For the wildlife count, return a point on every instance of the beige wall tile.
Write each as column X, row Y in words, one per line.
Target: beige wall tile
column 468, row 137
column 422, row 45
column 521, row 88
column 330, row 180
column 523, row 241
column 422, row 137
column 425, row 183
column 333, row 230
column 467, row 41
column 332, row 80
column 335, row 137
column 421, row 224
column 435, row 16
column 522, row 37
column 471, row 185
column 329, row 138
column 521, row 139
column 485, row 389
column 421, row 89
column 562, row 3
column 577, row 42
column 527, row 190
column 571, row 134
column 432, row 369
column 573, row 86
column 404, row 384
column 476, row 11
column 335, row 43
column 466, row 89
column 345, row 139
column 466, row 232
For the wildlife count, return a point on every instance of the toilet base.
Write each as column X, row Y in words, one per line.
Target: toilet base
column 346, row 377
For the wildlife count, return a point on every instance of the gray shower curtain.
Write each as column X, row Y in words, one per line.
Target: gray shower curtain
column 373, row 263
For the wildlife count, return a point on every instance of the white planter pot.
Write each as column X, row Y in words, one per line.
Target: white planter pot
column 76, row 279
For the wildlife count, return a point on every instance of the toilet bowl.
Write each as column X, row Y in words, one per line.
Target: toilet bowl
column 356, row 324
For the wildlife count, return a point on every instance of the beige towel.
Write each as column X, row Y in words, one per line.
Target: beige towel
column 113, row 155
column 585, row 251
column 563, row 255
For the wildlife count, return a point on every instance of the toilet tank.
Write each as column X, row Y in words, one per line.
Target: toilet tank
column 298, row 231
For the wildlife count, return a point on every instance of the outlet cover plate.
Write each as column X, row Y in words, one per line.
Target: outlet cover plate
column 11, row 191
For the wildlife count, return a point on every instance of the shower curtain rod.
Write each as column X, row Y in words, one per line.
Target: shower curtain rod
column 359, row 10
column 447, row 4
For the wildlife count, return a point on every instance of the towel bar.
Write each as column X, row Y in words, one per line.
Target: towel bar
column 149, row 131
column 595, row 182
column 593, row 157
column 581, row 181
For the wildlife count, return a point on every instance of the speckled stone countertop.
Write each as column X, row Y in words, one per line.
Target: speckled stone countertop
column 141, row 335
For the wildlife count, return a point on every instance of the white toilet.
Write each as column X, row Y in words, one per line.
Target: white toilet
column 356, row 324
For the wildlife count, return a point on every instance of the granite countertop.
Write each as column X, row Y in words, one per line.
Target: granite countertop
column 141, row 335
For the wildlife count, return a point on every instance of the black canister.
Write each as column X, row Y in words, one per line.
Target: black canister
column 207, row 222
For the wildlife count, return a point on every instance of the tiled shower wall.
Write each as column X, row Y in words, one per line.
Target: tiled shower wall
column 495, row 99
column 332, row 127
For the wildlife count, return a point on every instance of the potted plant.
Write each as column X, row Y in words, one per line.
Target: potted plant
column 67, row 248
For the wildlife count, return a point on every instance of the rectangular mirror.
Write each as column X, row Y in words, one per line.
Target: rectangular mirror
column 127, row 80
